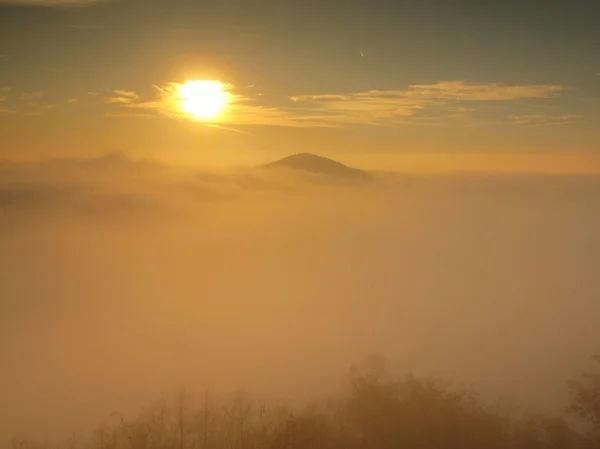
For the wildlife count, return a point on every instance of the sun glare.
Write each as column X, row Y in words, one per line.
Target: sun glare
column 203, row 99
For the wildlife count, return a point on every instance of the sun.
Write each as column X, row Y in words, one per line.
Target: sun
column 203, row 99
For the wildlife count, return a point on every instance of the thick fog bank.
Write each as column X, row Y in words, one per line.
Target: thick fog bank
column 120, row 282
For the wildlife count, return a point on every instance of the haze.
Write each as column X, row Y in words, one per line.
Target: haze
column 123, row 280
column 254, row 195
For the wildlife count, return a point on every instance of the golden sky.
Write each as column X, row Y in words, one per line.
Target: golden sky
column 380, row 84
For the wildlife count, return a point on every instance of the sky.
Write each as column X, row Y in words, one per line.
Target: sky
column 141, row 249
column 462, row 85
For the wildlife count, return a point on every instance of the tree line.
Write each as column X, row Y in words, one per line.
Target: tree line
column 377, row 411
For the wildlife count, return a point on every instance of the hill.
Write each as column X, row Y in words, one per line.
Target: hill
column 312, row 163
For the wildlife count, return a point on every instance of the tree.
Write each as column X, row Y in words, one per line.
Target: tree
column 585, row 397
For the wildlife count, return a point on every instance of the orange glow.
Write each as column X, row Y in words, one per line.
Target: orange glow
column 203, row 99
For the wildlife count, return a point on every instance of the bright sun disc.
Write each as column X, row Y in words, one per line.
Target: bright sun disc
column 202, row 99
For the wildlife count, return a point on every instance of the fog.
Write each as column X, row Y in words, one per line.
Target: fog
column 121, row 281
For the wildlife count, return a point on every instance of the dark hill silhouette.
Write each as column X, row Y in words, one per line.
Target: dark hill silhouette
column 312, row 163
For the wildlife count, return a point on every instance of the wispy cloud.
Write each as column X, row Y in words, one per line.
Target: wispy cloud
column 370, row 107
column 241, row 110
column 39, row 109
column 123, row 97
column 26, row 103
column 33, row 103
column 4, row 93
column 226, row 128
column 458, row 90
column 31, row 96
column 537, row 120
column 386, row 107
column 72, row 100
column 127, row 114
column 443, row 101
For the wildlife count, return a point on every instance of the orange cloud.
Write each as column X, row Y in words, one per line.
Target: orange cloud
column 126, row 114
column 373, row 107
column 4, row 93
column 395, row 106
column 123, row 96
column 240, row 111
column 536, row 120
column 458, row 90
column 24, row 103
